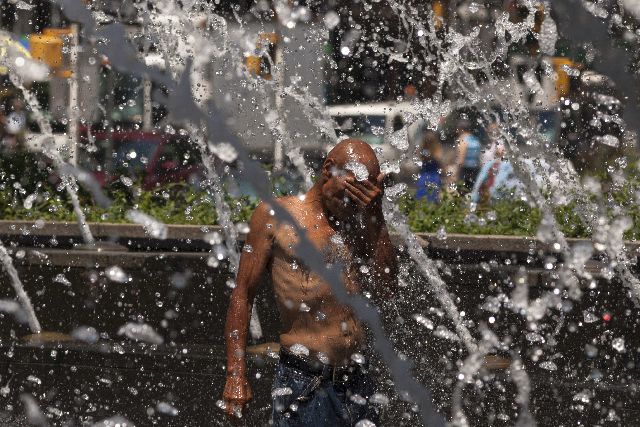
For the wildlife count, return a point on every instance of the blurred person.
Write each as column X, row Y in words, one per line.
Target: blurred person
column 489, row 152
column 496, row 179
column 15, row 126
column 468, row 154
column 430, row 180
column 321, row 337
column 450, row 169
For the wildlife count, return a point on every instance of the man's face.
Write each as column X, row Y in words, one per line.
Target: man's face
column 334, row 197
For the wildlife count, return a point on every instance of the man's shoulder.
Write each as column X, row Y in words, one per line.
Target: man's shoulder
column 264, row 212
column 283, row 201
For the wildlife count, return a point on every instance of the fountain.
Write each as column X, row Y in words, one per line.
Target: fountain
column 466, row 77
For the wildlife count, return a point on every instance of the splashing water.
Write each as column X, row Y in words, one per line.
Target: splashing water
column 51, row 152
column 32, row 410
column 359, row 170
column 456, row 62
column 428, row 269
column 155, row 228
column 141, row 332
column 24, row 299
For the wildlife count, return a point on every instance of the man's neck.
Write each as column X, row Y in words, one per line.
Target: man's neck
column 315, row 193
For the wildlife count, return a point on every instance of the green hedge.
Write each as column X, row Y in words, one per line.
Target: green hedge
column 173, row 204
column 180, row 204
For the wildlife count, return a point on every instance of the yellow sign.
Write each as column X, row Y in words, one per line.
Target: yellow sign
column 47, row 47
column 563, row 83
column 438, row 14
column 260, row 65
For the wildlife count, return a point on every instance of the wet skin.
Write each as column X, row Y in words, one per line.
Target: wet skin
column 343, row 219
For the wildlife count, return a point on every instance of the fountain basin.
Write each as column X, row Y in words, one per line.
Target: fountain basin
column 119, row 375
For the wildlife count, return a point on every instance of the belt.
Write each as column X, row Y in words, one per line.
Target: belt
column 318, row 369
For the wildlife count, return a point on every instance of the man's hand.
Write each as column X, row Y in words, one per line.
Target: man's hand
column 237, row 393
column 364, row 193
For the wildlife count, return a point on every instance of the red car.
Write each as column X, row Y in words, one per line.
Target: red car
column 149, row 158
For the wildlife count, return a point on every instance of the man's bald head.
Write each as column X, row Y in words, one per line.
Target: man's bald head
column 354, row 151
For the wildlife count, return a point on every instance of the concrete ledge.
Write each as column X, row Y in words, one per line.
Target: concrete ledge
column 191, row 238
column 96, row 259
column 103, row 231
column 499, row 243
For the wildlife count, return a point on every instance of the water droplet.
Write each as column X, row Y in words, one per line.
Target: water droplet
column 299, row 350
column 166, row 409
column 126, row 180
column 281, row 391
column 304, row 307
column 589, row 317
column 443, row 332
column 337, row 240
column 28, row 202
column 379, row 399
column 549, row 365
column 400, row 139
column 534, row 337
column 86, row 334
column 61, row 279
column 34, row 415
column 320, row 316
column 213, row 238
column 34, row 379
column 584, row 396
column 141, row 332
column 590, row 350
column 395, row 191
column 359, row 170
column 470, row 219
column 213, row 262
column 243, row 228
column 117, row 274
column 331, row 19
column 358, row 400
column 424, row 321
column 618, row 344
column 358, row 358
column 152, row 226
column 323, row 358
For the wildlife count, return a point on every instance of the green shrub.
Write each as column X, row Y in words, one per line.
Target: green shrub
column 182, row 204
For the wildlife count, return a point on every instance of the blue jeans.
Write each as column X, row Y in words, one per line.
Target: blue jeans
column 301, row 399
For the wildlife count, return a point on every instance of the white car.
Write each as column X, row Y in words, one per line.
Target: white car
column 392, row 129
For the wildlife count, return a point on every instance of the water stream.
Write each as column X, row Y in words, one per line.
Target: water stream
column 177, row 29
column 50, row 150
column 7, row 264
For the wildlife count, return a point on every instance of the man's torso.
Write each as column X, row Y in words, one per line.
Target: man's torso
column 312, row 318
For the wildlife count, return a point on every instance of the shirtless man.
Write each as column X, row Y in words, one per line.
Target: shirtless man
column 322, row 376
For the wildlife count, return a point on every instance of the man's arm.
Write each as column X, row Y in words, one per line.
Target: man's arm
column 375, row 244
column 253, row 262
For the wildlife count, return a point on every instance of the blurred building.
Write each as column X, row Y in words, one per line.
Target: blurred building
column 335, row 52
